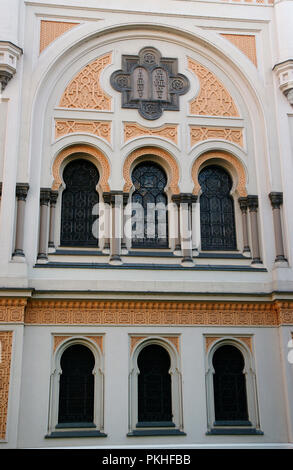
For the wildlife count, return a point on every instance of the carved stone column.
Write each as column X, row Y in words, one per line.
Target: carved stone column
column 252, row 202
column 276, row 202
column 243, row 203
column 53, row 200
column 124, row 222
column 186, row 233
column 21, row 194
column 116, row 202
column 45, row 195
column 107, row 221
column 176, row 200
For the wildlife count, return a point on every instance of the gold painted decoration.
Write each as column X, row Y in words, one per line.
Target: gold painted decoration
column 51, row 30
column 245, row 42
column 165, row 157
column 168, row 131
column 5, row 365
column 213, row 98
column 85, row 91
column 99, row 128
column 200, row 133
column 226, row 157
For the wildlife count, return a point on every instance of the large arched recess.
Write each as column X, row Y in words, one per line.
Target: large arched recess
column 86, row 42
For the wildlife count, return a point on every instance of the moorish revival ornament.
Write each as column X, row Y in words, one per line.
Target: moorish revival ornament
column 150, row 83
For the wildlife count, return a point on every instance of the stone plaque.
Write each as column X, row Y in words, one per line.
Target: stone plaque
column 150, row 83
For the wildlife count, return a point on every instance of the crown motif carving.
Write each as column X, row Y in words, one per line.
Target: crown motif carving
column 149, row 83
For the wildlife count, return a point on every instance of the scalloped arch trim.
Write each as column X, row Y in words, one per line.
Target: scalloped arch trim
column 225, row 156
column 97, row 156
column 164, row 156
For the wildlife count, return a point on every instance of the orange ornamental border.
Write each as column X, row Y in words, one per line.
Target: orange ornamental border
column 137, row 339
column 98, row 157
column 128, row 312
column 5, row 363
column 163, row 156
column 98, row 339
column 212, row 339
column 56, row 312
column 227, row 157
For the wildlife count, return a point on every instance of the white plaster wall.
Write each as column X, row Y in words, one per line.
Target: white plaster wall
column 37, row 367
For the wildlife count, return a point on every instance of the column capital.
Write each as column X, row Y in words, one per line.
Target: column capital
column 184, row 198
column 45, row 195
column 252, row 202
column 276, row 199
column 21, row 191
column 243, row 203
column 53, row 197
column 110, row 197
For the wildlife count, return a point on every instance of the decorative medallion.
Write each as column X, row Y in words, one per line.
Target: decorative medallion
column 150, row 83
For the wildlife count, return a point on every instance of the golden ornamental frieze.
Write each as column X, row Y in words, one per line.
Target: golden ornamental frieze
column 200, row 133
column 167, row 131
column 99, row 128
column 6, row 338
column 213, row 99
column 85, row 90
column 156, row 313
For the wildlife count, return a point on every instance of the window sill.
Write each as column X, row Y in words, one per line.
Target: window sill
column 157, row 424
column 234, row 431
column 156, row 432
column 77, row 433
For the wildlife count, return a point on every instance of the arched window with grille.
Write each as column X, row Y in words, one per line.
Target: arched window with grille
column 217, row 218
column 76, row 392
column 154, row 385
column 79, row 198
column 76, row 406
column 229, row 385
column 149, row 201
column 232, row 404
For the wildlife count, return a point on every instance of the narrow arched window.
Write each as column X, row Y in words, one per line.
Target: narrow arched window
column 217, row 220
column 150, row 227
column 230, row 396
column 76, row 391
column 78, row 216
column 154, row 385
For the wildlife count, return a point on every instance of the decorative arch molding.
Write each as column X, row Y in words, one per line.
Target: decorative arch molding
column 229, row 161
column 95, row 155
column 164, row 158
column 60, row 344
column 244, row 345
column 171, row 346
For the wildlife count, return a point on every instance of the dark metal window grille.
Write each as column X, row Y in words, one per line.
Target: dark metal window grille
column 229, row 385
column 78, row 223
column 217, row 219
column 154, row 385
column 76, row 393
column 149, row 181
